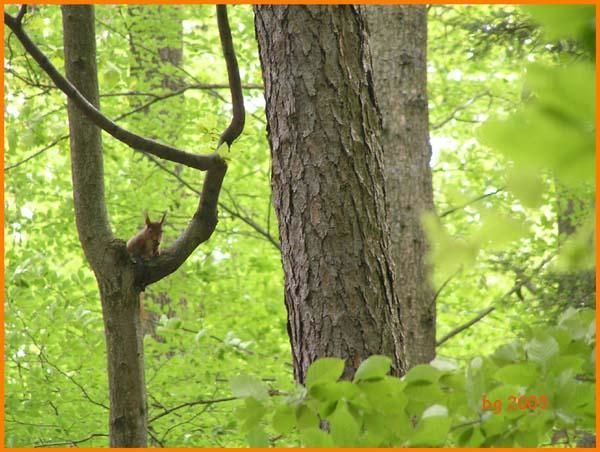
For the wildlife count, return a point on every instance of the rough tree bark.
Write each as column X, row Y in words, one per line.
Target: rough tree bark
column 120, row 280
column 328, row 186
column 398, row 41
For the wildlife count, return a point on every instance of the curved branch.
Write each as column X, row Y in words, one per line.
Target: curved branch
column 201, row 162
column 234, row 213
column 237, row 99
column 204, row 221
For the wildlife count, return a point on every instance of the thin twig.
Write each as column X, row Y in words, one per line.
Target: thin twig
column 72, row 442
column 472, row 201
column 492, row 307
column 191, row 404
column 35, row 154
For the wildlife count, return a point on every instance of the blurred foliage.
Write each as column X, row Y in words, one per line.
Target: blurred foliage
column 222, row 314
column 519, row 396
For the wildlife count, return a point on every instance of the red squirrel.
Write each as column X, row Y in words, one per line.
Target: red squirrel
column 146, row 242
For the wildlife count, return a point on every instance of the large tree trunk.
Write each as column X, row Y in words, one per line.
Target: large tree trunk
column 398, row 41
column 107, row 256
column 328, row 185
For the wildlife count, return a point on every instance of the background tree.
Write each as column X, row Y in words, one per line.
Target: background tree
column 398, row 41
column 119, row 281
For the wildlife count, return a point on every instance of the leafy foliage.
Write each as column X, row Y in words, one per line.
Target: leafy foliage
column 519, row 396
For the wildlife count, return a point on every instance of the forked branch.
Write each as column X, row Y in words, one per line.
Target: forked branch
column 204, row 220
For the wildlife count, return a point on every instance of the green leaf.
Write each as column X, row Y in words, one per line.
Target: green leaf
column 324, row 370
column 247, row 386
column 541, row 348
column 257, row 438
column 471, row 437
column 508, row 353
column 284, row 419
column 422, row 373
column 423, row 392
column 306, row 418
column 432, row 430
column 527, row 438
column 344, row 428
column 250, row 413
column 563, row 21
column 385, row 395
column 174, row 323
column 315, row 437
column 523, row 374
column 330, row 392
column 376, row 366
column 13, row 139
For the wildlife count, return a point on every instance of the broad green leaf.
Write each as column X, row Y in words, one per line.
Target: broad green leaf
column 431, row 431
column 306, row 418
column 247, row 386
column 563, row 21
column 471, row 437
column 250, row 413
column 541, row 348
column 376, row 366
column 523, row 374
column 385, row 395
column 324, row 370
column 257, row 438
column 284, row 419
column 344, row 428
column 315, row 437
column 422, row 373
column 329, row 392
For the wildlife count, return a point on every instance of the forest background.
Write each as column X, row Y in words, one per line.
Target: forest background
column 222, row 314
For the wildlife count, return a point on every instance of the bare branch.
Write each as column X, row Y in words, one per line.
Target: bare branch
column 472, row 201
column 237, row 122
column 492, row 307
column 458, row 109
column 73, row 442
column 35, row 154
column 21, row 13
column 191, row 404
column 444, row 284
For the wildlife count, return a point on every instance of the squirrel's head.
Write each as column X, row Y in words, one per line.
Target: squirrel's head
column 154, row 228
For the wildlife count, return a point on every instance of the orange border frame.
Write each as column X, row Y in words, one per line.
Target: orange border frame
column 299, row 2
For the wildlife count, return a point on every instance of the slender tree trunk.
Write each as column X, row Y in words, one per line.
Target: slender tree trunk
column 398, row 41
column 328, row 186
column 108, row 257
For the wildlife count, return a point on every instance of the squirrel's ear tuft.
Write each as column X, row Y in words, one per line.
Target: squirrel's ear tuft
column 162, row 220
column 147, row 218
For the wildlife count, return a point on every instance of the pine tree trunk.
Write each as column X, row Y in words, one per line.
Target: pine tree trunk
column 398, row 41
column 328, row 185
